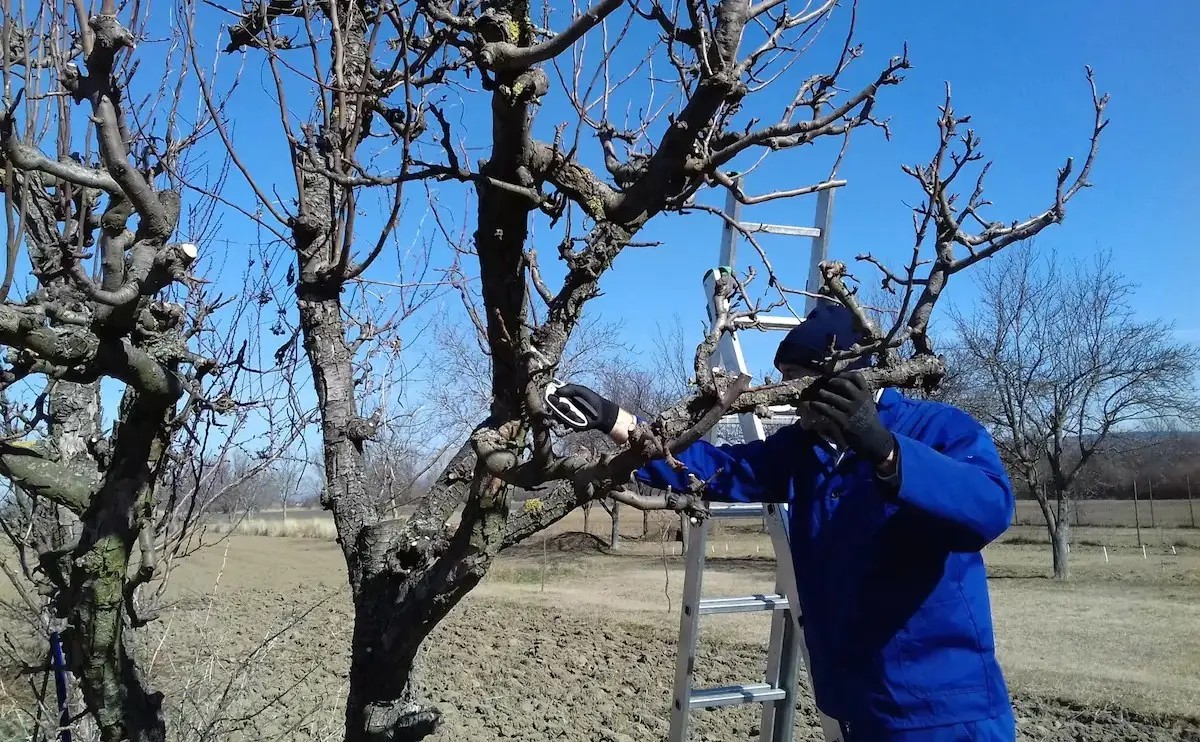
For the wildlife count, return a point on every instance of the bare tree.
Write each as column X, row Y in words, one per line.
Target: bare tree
column 396, row 79
column 1056, row 363
column 94, row 157
column 76, row 326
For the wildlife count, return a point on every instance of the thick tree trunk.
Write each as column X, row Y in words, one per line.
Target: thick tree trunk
column 1058, row 525
column 614, row 537
column 97, row 638
column 384, row 703
column 97, row 646
column 381, row 670
column 1060, row 536
column 344, row 493
column 408, row 586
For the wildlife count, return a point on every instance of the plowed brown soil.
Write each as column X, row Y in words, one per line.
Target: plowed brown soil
column 573, row 643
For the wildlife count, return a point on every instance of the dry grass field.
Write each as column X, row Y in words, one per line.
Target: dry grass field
column 567, row 640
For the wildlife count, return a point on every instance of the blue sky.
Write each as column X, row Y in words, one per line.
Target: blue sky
column 1016, row 68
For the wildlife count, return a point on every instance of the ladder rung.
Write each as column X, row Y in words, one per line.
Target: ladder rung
column 736, row 695
column 747, row 604
column 783, row 415
column 768, row 323
column 735, row 510
column 781, row 229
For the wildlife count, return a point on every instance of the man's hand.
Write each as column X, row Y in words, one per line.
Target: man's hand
column 595, row 411
column 848, row 404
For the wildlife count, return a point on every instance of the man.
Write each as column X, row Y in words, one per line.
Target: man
column 891, row 501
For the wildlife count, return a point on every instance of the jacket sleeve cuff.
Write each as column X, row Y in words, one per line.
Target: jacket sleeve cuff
column 891, row 482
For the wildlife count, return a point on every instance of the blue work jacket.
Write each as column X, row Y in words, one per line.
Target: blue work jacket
column 891, row 580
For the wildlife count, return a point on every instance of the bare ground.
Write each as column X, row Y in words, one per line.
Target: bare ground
column 566, row 641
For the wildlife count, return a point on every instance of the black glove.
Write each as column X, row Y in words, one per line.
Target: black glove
column 848, row 404
column 595, row 412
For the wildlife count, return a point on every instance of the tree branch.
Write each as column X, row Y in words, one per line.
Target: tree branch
column 788, row 135
column 26, row 157
column 29, row 467
column 85, row 356
column 502, row 55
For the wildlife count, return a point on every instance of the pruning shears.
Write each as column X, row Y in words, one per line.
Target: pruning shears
column 563, row 409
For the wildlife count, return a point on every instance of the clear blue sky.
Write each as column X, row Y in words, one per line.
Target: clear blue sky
column 1016, row 68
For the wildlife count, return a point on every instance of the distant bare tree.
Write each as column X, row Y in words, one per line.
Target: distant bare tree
column 1058, row 365
column 283, row 481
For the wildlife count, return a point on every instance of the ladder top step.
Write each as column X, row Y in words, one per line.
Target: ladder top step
column 767, row 322
column 747, row 604
column 736, row 695
column 781, row 229
column 736, row 510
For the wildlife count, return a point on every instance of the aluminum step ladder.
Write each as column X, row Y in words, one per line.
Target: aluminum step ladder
column 786, row 650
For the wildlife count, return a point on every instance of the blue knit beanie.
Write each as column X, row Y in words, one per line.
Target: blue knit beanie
column 807, row 343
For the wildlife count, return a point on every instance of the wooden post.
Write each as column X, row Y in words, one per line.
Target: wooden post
column 1150, row 492
column 1137, row 519
column 1191, row 510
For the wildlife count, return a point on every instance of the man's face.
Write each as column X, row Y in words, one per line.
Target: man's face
column 793, row 371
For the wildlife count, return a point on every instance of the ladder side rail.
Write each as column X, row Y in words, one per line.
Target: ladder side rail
column 689, row 616
column 786, row 639
column 785, row 571
column 820, row 247
column 781, row 667
column 784, row 654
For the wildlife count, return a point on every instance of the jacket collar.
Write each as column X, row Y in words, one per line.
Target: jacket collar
column 888, row 402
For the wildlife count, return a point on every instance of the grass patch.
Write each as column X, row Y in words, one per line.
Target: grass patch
column 316, row 528
column 533, row 574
